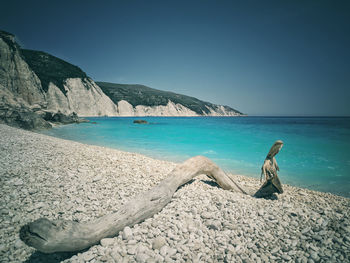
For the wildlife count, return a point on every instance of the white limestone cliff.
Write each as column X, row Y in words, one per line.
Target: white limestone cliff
column 18, row 83
column 220, row 110
column 82, row 96
column 171, row 109
column 21, row 87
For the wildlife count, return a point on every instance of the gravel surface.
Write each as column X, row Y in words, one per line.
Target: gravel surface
column 42, row 176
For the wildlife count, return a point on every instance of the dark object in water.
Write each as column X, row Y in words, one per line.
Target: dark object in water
column 140, row 122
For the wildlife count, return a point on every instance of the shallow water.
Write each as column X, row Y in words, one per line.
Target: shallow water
column 315, row 155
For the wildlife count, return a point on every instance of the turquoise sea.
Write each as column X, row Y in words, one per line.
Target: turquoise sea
column 315, row 155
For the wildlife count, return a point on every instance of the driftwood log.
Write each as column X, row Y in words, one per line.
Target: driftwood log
column 63, row 236
column 271, row 183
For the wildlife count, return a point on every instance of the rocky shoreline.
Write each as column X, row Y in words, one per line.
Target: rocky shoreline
column 35, row 118
column 43, row 176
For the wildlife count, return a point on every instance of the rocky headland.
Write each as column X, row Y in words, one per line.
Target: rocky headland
column 34, row 84
column 42, row 176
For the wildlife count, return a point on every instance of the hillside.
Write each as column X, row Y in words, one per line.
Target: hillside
column 51, row 69
column 143, row 95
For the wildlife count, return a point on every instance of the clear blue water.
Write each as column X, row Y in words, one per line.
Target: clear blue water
column 316, row 152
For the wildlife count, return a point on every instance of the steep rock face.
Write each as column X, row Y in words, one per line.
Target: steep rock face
column 47, row 82
column 68, row 89
column 23, row 101
column 82, row 96
column 171, row 109
column 20, row 88
column 18, row 83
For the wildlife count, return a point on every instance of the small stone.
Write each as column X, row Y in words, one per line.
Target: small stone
column 286, row 257
column 163, row 251
column 88, row 256
column 294, row 243
column 105, row 242
column 97, row 178
column 206, row 215
column 303, row 259
column 275, row 250
column 32, row 191
column 141, row 248
column 246, row 260
column 30, row 209
column 132, row 242
column 127, row 233
column 132, row 250
column 39, row 205
column 171, row 251
column 80, row 209
column 142, row 257
column 317, row 237
column 305, row 230
column 264, row 258
column 116, row 256
column 18, row 243
column 213, row 224
column 314, row 255
column 18, row 182
column 158, row 242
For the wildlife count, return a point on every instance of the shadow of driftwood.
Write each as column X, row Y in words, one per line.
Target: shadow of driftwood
column 269, row 197
column 211, row 183
column 189, row 182
column 49, row 258
column 38, row 257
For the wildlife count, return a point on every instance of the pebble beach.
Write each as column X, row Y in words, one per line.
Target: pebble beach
column 43, row 176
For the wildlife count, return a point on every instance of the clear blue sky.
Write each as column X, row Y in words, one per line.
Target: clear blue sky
column 285, row 57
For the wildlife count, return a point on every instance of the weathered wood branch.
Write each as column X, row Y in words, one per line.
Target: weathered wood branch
column 269, row 170
column 62, row 236
column 67, row 236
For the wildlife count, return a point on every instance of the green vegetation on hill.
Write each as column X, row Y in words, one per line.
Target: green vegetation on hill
column 142, row 95
column 51, row 69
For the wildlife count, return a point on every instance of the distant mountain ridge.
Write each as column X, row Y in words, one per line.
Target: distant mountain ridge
column 137, row 94
column 36, row 84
